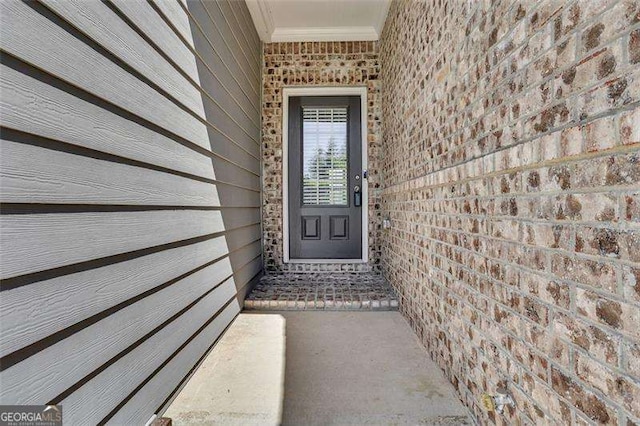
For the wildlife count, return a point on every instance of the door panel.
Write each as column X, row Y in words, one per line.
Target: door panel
column 325, row 175
column 339, row 227
column 310, row 227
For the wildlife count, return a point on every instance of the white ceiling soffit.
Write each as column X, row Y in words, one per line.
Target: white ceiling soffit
column 318, row 20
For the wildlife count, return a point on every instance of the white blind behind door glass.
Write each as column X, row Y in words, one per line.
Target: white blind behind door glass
column 324, row 151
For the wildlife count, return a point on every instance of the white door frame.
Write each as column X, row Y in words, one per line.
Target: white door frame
column 288, row 92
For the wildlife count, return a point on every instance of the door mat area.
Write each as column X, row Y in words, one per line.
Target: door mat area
column 325, row 291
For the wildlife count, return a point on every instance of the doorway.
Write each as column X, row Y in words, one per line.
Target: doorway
column 325, row 186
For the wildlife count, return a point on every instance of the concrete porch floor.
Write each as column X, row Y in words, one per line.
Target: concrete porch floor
column 340, row 368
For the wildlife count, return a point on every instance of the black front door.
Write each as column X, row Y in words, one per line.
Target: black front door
column 325, row 178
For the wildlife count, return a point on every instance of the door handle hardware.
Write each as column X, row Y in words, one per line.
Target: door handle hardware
column 357, row 196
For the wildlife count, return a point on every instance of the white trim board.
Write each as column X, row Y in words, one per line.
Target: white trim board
column 382, row 18
column 324, row 34
column 269, row 31
column 288, row 92
column 262, row 18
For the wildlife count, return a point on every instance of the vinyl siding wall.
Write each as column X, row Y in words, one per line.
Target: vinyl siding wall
column 130, row 175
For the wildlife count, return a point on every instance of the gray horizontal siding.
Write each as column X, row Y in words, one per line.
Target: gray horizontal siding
column 130, row 227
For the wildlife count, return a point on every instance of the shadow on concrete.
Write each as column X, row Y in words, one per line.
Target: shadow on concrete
column 241, row 382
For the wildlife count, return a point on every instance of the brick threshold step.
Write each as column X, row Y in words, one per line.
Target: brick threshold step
column 322, row 292
column 303, row 305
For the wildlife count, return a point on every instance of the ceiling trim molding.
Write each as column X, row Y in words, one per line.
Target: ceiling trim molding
column 382, row 18
column 262, row 18
column 324, row 34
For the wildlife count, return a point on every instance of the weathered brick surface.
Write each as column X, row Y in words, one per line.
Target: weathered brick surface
column 316, row 64
column 510, row 167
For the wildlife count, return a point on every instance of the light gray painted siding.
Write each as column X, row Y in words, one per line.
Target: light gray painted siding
column 130, row 175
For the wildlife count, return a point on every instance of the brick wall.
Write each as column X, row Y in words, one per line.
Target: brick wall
column 315, row 64
column 510, row 165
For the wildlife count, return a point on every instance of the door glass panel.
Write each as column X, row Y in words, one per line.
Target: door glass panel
column 324, row 151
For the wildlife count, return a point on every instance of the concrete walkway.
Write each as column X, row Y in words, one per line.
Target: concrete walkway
column 362, row 368
column 241, row 381
column 340, row 368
